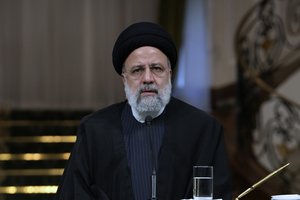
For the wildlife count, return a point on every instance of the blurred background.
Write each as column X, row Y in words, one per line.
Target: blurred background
column 238, row 60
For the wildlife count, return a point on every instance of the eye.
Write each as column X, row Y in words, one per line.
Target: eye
column 137, row 70
column 157, row 69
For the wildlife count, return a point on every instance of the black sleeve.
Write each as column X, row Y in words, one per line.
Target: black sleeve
column 222, row 173
column 76, row 182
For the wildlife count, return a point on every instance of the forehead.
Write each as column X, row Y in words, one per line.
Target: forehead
column 146, row 54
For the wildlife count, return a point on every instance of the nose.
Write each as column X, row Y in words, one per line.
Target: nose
column 148, row 76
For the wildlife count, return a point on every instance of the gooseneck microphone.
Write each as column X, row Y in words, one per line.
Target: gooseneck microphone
column 148, row 121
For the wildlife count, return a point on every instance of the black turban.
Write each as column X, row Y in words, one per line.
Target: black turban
column 142, row 34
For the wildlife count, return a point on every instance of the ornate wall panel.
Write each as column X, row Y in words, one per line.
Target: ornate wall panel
column 267, row 47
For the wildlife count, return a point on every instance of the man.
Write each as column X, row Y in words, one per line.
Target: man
column 145, row 147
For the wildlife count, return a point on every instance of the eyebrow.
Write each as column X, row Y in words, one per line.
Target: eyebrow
column 151, row 64
column 143, row 65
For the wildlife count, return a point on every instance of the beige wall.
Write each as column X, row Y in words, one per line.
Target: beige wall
column 224, row 17
column 57, row 53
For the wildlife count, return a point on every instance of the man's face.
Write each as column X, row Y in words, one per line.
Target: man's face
column 147, row 79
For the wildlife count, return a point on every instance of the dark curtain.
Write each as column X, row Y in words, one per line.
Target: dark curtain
column 171, row 16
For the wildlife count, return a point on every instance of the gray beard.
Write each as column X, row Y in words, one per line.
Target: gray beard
column 148, row 105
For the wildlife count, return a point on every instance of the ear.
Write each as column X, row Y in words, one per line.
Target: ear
column 123, row 78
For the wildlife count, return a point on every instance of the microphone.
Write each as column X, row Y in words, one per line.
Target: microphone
column 148, row 121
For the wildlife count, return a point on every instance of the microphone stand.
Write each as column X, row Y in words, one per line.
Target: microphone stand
column 148, row 121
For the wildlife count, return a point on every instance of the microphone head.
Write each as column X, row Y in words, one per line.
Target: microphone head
column 148, row 119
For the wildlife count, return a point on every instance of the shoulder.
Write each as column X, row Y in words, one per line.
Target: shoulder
column 180, row 108
column 185, row 114
column 109, row 113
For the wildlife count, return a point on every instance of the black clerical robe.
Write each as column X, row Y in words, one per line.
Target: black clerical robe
column 98, row 167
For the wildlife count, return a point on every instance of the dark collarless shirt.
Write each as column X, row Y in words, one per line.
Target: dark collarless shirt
column 142, row 142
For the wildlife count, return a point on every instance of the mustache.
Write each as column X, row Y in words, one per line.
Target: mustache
column 148, row 88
